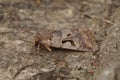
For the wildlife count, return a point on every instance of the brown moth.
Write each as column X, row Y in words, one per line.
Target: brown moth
column 73, row 39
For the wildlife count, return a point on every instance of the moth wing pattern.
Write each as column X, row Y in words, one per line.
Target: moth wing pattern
column 76, row 39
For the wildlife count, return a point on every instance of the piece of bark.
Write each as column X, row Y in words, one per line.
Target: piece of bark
column 73, row 39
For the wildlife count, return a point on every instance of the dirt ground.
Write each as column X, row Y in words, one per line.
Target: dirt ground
column 21, row 19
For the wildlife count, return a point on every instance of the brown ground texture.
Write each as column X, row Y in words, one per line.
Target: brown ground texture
column 21, row 19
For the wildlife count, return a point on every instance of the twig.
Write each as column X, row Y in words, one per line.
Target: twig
column 92, row 16
column 17, row 73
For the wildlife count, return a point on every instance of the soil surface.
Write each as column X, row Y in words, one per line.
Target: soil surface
column 20, row 20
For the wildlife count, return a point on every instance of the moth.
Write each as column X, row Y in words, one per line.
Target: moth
column 71, row 39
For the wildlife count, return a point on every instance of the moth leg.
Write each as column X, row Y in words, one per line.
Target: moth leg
column 38, row 47
column 47, row 47
column 46, row 44
column 36, row 41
